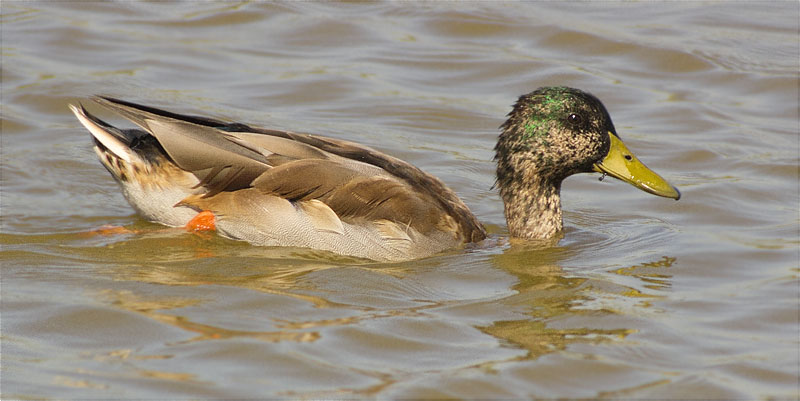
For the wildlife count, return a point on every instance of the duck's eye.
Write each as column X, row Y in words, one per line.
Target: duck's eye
column 575, row 119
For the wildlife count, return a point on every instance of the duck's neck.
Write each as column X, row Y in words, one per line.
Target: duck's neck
column 532, row 207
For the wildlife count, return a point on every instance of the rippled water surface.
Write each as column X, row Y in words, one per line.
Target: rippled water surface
column 643, row 298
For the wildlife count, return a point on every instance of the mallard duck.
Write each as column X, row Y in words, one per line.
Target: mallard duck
column 282, row 188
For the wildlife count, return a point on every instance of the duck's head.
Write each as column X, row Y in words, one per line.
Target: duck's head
column 550, row 134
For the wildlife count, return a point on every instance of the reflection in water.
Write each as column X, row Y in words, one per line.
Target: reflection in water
column 550, row 295
column 151, row 308
column 70, row 382
column 281, row 273
column 189, row 259
column 653, row 274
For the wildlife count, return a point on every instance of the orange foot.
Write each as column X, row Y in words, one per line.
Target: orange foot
column 204, row 221
column 108, row 230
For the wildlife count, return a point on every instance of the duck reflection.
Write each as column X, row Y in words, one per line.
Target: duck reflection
column 559, row 302
column 311, row 292
column 196, row 260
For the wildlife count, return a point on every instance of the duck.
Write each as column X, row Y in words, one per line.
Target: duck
column 282, row 188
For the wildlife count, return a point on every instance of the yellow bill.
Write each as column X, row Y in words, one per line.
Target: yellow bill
column 620, row 163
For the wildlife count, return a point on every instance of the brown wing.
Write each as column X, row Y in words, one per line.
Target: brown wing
column 428, row 187
column 352, row 195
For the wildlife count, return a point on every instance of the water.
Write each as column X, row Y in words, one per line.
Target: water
column 643, row 298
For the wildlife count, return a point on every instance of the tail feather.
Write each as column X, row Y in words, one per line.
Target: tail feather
column 140, row 114
column 111, row 138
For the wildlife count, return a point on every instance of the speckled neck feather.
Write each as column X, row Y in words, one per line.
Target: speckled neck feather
column 533, row 212
column 532, row 198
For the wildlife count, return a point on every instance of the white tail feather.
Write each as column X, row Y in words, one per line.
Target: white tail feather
column 108, row 140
